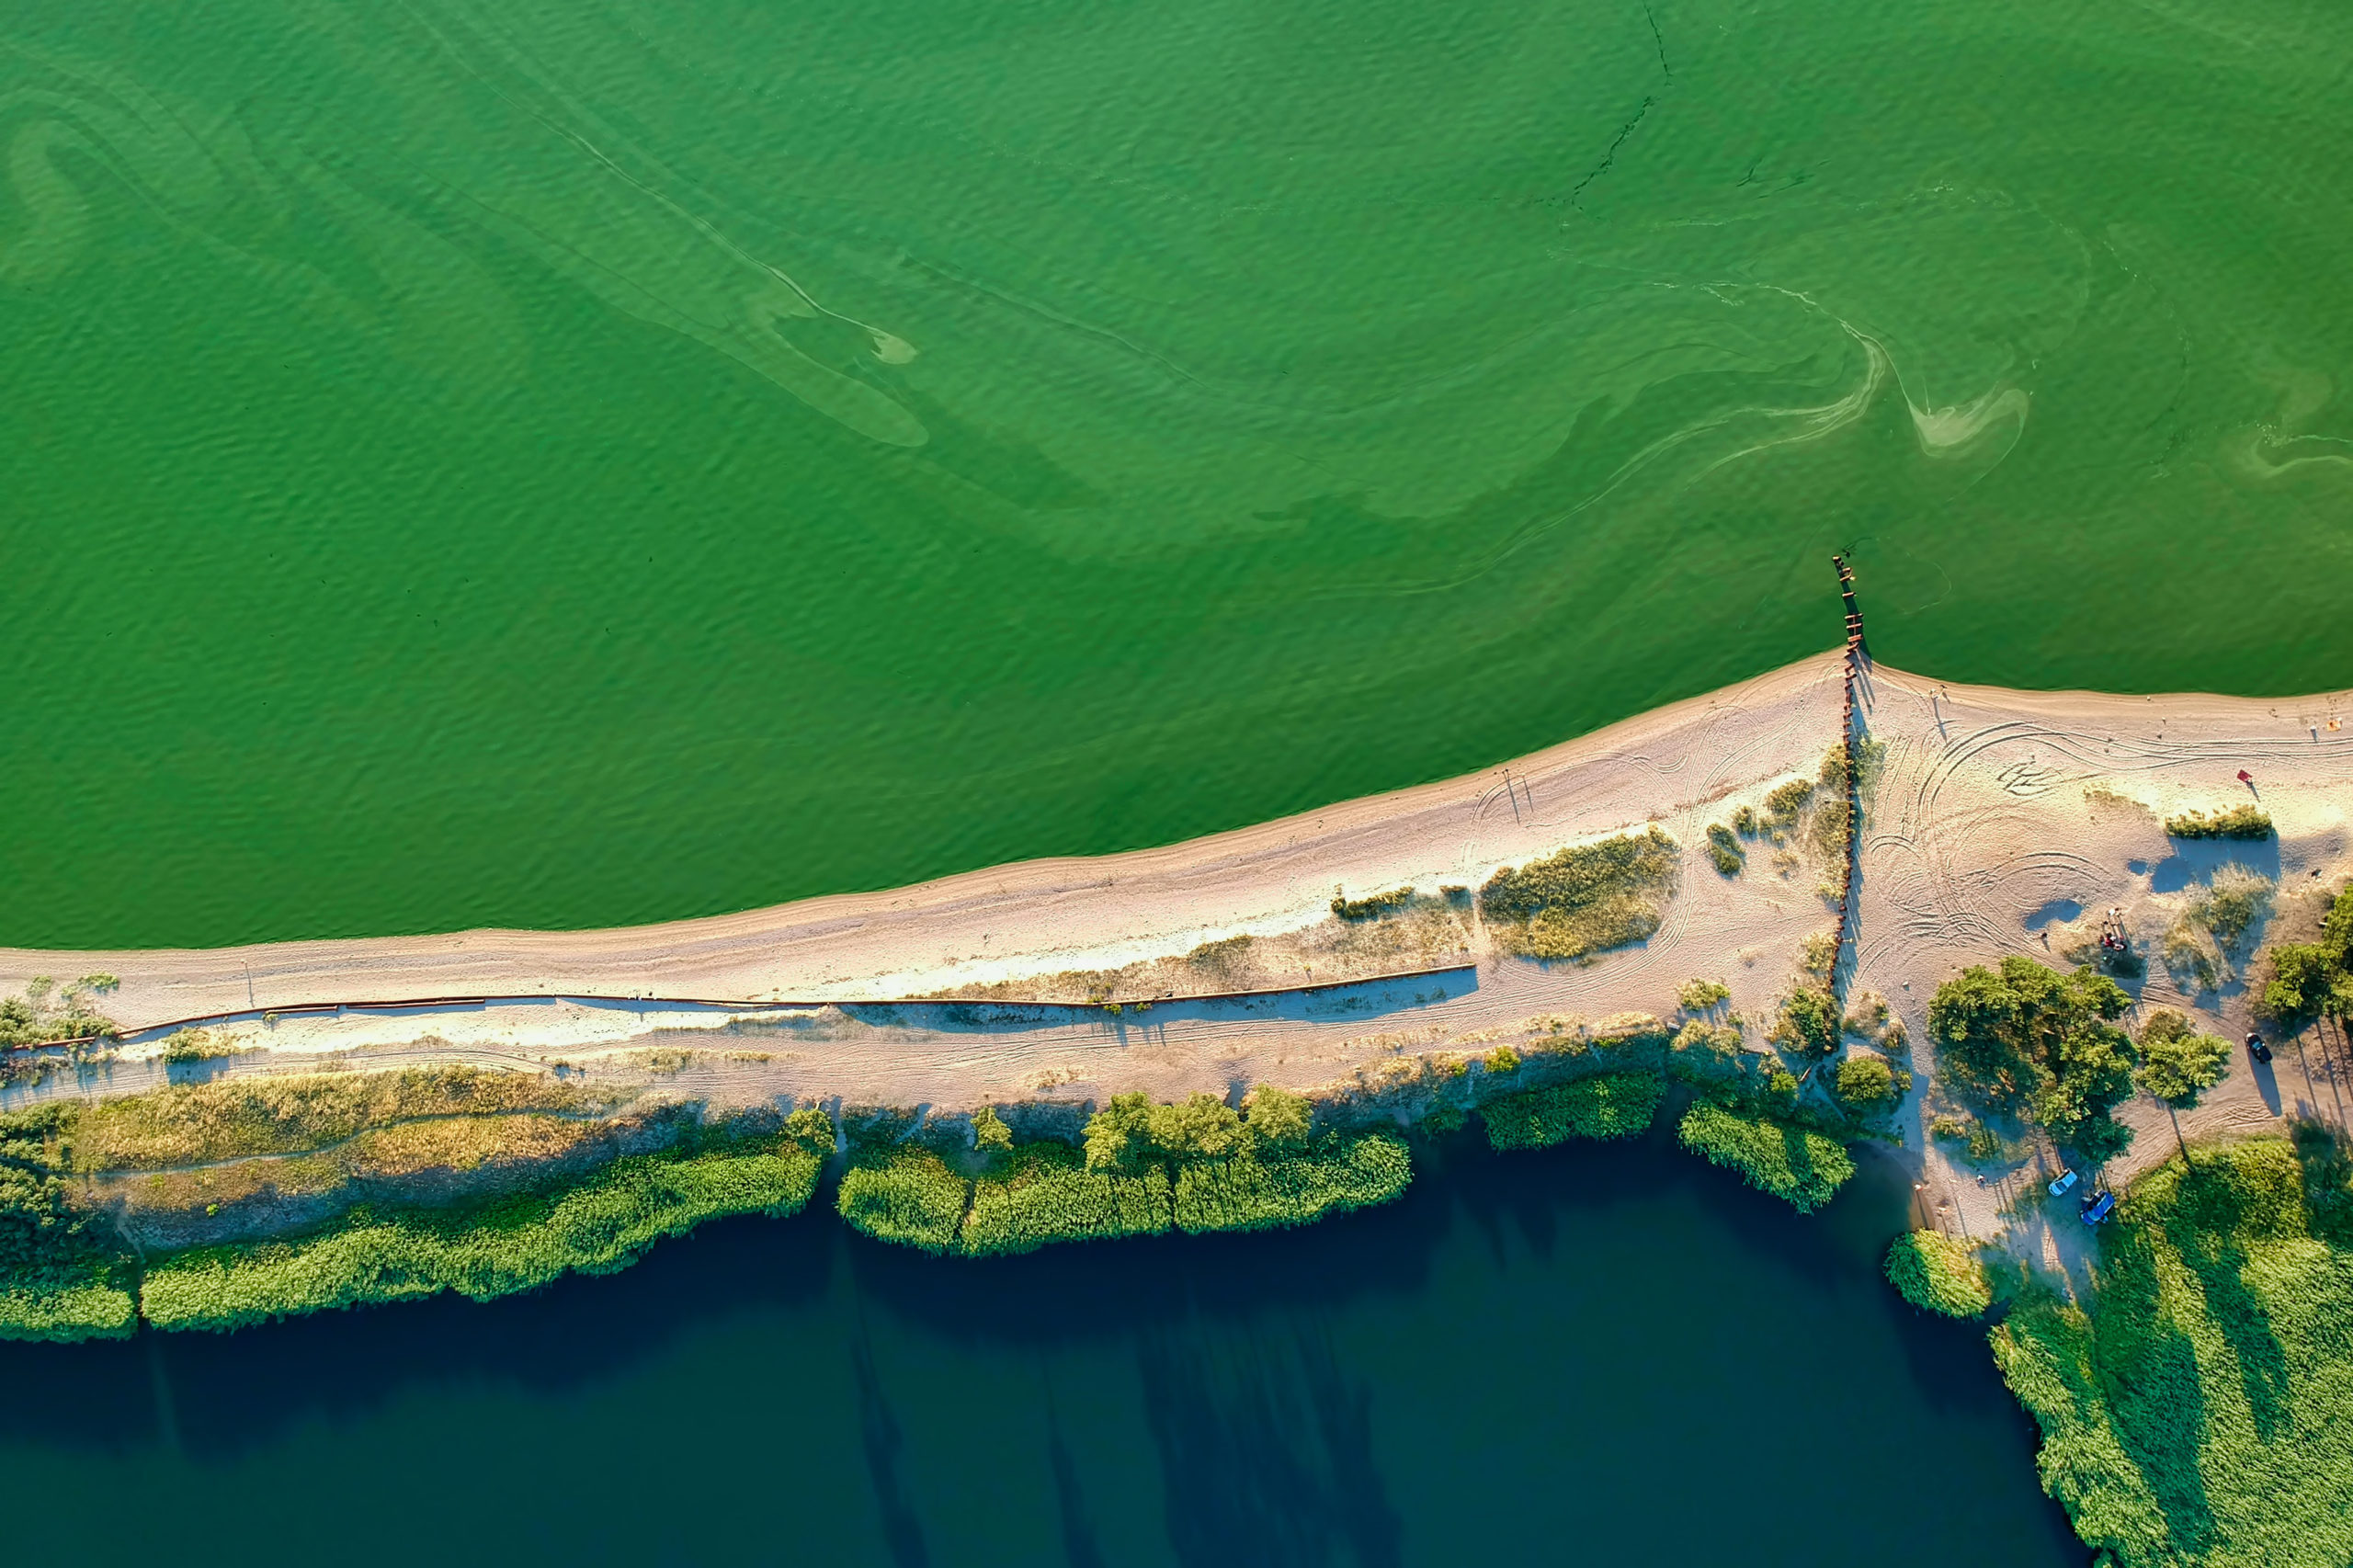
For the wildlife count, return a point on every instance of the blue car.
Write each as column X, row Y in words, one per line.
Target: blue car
column 2102, row 1205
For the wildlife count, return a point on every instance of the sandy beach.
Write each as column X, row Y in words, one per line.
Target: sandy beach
column 2000, row 821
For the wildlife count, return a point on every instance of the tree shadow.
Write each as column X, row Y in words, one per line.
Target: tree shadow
column 880, row 1436
column 229, row 1395
column 2240, row 1315
column 1080, row 1548
column 1266, row 1451
column 2161, row 1436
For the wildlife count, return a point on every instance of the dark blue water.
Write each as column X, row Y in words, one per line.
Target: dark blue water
column 1608, row 1356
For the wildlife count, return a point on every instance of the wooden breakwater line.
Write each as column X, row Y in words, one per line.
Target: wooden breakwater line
column 1854, row 768
column 1112, row 1007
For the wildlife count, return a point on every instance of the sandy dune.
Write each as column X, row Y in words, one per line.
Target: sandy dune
column 2002, row 821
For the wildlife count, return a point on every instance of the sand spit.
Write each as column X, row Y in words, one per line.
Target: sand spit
column 2000, row 821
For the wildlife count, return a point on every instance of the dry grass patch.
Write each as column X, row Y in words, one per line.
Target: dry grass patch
column 1584, row 900
column 198, row 1123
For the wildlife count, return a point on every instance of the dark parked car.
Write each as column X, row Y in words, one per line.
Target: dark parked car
column 2256, row 1047
column 2101, row 1205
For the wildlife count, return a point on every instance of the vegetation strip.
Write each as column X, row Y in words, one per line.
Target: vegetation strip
column 598, row 1226
column 2201, row 1410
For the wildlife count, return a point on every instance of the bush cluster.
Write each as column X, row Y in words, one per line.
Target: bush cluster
column 1371, row 906
column 1724, row 848
column 1938, row 1273
column 1195, row 1166
column 2238, row 822
column 1802, row 1167
column 1616, row 1105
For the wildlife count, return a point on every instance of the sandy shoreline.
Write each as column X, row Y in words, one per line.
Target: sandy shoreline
column 2002, row 821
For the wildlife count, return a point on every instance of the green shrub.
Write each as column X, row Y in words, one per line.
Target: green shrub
column 1044, row 1193
column 2202, row 1411
column 1808, row 1022
column 1250, row 1194
column 1804, row 1168
column 1937, row 1274
column 904, row 1194
column 1616, row 1105
column 2238, row 822
column 1724, row 849
column 1703, row 995
column 1783, row 804
column 1503, row 1059
column 1746, row 824
column 64, row 1305
column 197, row 1045
column 598, row 1226
column 1867, row 1083
column 1702, row 1052
column 1583, row 900
column 1371, row 906
column 2235, row 901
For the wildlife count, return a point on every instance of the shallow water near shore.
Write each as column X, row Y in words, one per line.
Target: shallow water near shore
column 1606, row 1354
column 529, row 465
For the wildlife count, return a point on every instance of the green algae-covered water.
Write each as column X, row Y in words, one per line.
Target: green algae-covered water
column 555, row 464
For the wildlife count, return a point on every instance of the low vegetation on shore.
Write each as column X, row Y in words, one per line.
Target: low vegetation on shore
column 2198, row 1408
column 47, row 1014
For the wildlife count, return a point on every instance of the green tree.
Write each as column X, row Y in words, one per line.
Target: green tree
column 2178, row 1063
column 1118, row 1134
column 990, row 1134
column 811, row 1128
column 2299, row 986
column 1278, row 1119
column 2025, row 1036
column 1199, row 1127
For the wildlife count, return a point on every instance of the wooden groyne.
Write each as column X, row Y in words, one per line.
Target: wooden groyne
column 1846, row 738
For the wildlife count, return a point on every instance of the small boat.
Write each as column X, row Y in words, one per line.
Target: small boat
column 2067, row 1180
column 2101, row 1206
